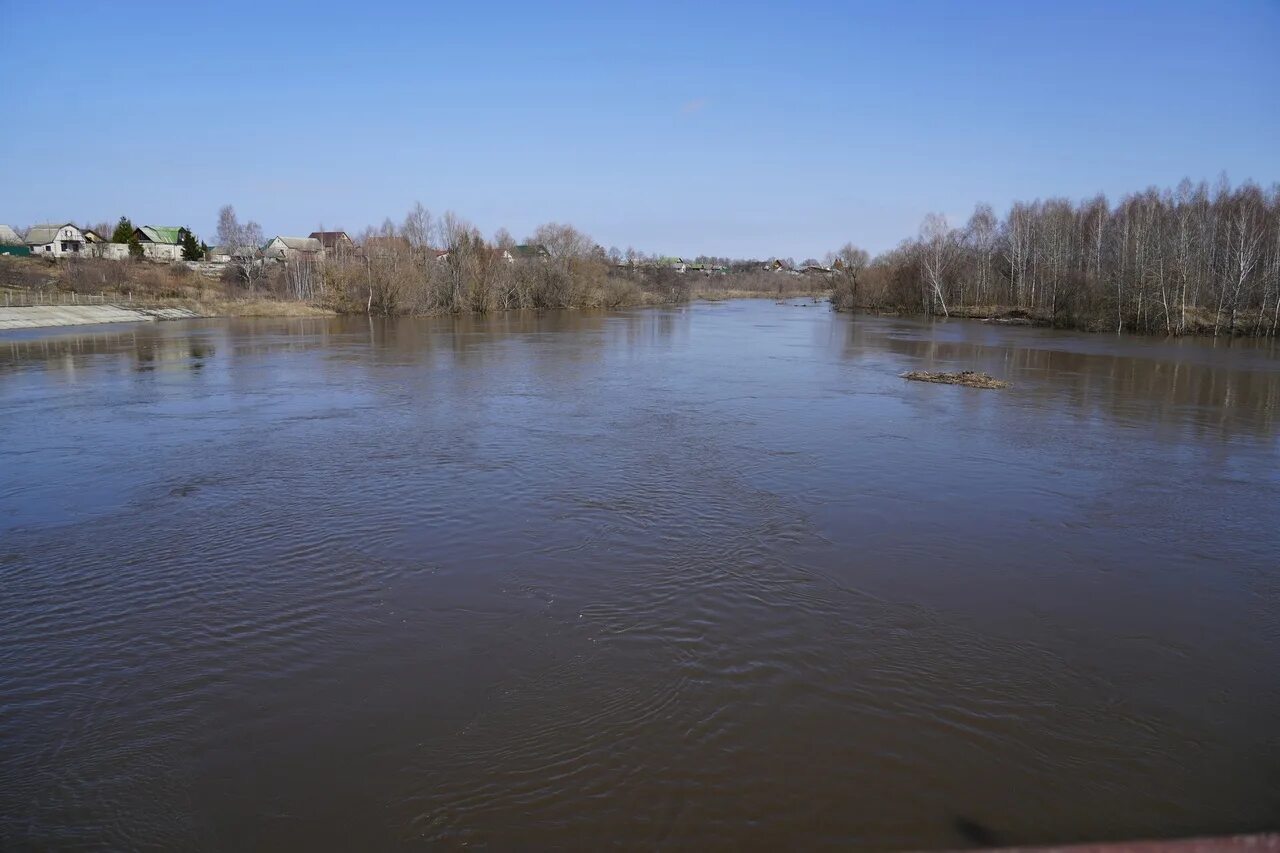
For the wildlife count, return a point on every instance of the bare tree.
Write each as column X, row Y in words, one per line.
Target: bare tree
column 981, row 234
column 847, row 262
column 502, row 239
column 417, row 229
column 243, row 244
column 937, row 245
column 302, row 278
column 852, row 259
column 562, row 241
column 228, row 227
column 102, row 228
column 453, row 228
column 1247, row 229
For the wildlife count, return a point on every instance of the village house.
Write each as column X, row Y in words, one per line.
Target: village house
column 161, row 242
column 11, row 243
column 293, row 248
column 56, row 241
column 232, row 254
column 336, row 244
column 97, row 246
column 525, row 252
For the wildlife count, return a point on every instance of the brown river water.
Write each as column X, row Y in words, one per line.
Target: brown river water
column 701, row 577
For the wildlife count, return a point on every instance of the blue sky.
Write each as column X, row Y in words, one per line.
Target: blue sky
column 741, row 129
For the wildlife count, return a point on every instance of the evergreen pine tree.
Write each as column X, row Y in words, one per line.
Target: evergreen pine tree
column 123, row 232
column 191, row 250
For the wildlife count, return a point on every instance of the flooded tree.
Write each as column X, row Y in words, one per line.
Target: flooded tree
column 937, row 252
column 847, row 264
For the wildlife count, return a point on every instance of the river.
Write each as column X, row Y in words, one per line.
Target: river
column 699, row 577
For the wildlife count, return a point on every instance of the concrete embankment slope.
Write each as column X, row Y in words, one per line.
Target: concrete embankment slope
column 83, row 315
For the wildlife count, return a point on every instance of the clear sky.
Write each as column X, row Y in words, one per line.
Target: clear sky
column 738, row 128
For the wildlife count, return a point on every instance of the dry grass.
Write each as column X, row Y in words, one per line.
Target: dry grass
column 27, row 273
column 756, row 284
column 967, row 378
column 145, row 285
column 257, row 308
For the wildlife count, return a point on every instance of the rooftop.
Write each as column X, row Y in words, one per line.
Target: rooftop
column 171, row 234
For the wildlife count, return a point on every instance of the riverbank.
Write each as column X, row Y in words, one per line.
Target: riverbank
column 258, row 308
column 344, row 289
column 123, row 311
column 119, row 308
column 50, row 316
column 721, row 294
column 1198, row 322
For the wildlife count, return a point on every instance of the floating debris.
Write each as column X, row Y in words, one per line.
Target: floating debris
column 967, row 378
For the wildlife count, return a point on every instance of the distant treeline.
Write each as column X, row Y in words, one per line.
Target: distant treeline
column 1188, row 260
column 1192, row 260
column 421, row 265
column 440, row 265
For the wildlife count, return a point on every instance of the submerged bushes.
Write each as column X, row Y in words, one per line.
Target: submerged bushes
column 480, row 282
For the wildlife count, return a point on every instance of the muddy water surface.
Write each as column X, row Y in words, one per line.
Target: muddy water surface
column 709, row 577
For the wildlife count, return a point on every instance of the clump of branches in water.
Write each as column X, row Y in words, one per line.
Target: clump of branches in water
column 1191, row 260
column 967, row 378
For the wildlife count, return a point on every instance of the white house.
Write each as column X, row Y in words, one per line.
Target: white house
column 293, row 248
column 9, row 237
column 56, row 241
column 161, row 242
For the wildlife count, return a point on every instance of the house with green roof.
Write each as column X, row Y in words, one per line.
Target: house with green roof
column 526, row 252
column 161, row 242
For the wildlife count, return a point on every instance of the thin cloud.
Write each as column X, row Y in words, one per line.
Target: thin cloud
column 695, row 106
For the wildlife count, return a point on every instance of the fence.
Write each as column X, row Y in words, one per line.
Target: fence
column 34, row 298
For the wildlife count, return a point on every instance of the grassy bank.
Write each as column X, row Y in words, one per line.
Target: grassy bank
column 392, row 283
column 719, row 294
column 758, row 284
column 260, row 307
